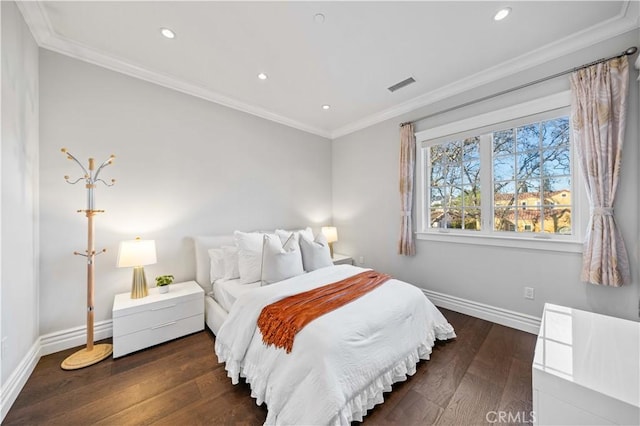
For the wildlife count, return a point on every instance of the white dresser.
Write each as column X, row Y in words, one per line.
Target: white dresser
column 141, row 323
column 586, row 369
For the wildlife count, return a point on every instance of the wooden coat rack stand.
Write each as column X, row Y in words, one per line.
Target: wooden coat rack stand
column 92, row 353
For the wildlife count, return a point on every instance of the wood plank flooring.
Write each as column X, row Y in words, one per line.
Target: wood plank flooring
column 487, row 368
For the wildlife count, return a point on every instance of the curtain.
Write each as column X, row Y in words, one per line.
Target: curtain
column 599, row 96
column 407, row 245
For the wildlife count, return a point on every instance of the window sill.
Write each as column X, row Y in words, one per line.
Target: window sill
column 544, row 244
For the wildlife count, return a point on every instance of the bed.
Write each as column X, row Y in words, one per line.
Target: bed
column 341, row 363
column 214, row 313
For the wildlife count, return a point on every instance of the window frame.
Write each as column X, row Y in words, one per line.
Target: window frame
column 536, row 110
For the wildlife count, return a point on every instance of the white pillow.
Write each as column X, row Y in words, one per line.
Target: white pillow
column 279, row 261
column 230, row 254
column 216, row 270
column 284, row 234
column 249, row 255
column 315, row 253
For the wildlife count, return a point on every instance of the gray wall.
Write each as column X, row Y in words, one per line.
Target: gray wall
column 184, row 167
column 19, row 176
column 366, row 210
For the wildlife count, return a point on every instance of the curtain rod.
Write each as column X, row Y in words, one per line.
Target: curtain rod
column 630, row 51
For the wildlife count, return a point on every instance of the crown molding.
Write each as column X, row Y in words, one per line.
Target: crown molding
column 36, row 18
column 625, row 21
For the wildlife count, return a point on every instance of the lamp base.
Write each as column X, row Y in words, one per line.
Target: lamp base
column 139, row 284
column 84, row 358
column 331, row 250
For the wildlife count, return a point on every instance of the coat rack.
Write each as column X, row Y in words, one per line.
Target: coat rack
column 92, row 353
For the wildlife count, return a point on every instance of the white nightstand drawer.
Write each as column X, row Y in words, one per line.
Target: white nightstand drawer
column 157, row 334
column 147, row 321
column 157, row 314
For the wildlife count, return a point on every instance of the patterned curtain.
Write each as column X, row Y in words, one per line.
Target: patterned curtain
column 599, row 96
column 407, row 245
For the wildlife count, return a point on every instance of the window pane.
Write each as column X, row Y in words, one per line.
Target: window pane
column 437, row 196
column 504, row 168
column 503, row 142
column 471, row 171
column 453, row 196
column 472, row 219
column 452, row 164
column 436, row 218
column 504, row 193
column 556, row 161
column 453, row 218
column 555, row 132
column 557, row 220
column 556, row 191
column 528, row 137
column 528, row 164
column 443, row 218
column 528, row 188
column 453, row 175
column 504, row 219
column 453, row 152
column 521, row 173
column 529, row 219
column 471, row 148
column 436, row 154
column 471, row 195
column 438, row 174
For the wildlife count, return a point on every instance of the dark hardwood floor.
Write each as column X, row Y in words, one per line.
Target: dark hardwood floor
column 486, row 369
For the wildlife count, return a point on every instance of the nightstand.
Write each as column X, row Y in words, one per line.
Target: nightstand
column 342, row 259
column 141, row 323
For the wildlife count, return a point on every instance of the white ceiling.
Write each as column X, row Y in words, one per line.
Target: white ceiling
column 348, row 61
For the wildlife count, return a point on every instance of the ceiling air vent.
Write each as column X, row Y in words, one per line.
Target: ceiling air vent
column 401, row 84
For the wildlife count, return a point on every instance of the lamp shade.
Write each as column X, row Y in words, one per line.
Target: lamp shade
column 330, row 233
column 136, row 253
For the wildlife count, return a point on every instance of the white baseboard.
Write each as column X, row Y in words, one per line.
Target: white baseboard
column 45, row 345
column 14, row 384
column 512, row 319
column 71, row 337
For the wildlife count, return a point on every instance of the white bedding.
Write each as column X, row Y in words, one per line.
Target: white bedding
column 342, row 361
column 226, row 292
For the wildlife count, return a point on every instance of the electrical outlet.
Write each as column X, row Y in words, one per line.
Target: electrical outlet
column 361, row 260
column 529, row 293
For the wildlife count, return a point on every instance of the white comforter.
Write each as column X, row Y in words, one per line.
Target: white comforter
column 342, row 361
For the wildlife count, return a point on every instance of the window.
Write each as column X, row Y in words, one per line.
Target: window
column 455, row 184
column 532, row 164
column 508, row 174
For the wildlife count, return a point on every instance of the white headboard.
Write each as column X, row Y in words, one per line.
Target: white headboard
column 203, row 264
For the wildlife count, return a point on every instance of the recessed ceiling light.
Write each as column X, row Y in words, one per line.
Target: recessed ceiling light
column 262, row 76
column 502, row 13
column 166, row 32
column 319, row 18
column 325, row 107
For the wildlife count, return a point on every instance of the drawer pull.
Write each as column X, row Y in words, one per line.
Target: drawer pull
column 164, row 307
column 163, row 325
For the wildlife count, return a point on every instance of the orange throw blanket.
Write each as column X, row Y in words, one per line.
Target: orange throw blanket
column 280, row 321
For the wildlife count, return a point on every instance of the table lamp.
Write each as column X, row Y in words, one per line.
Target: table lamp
column 137, row 253
column 331, row 234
